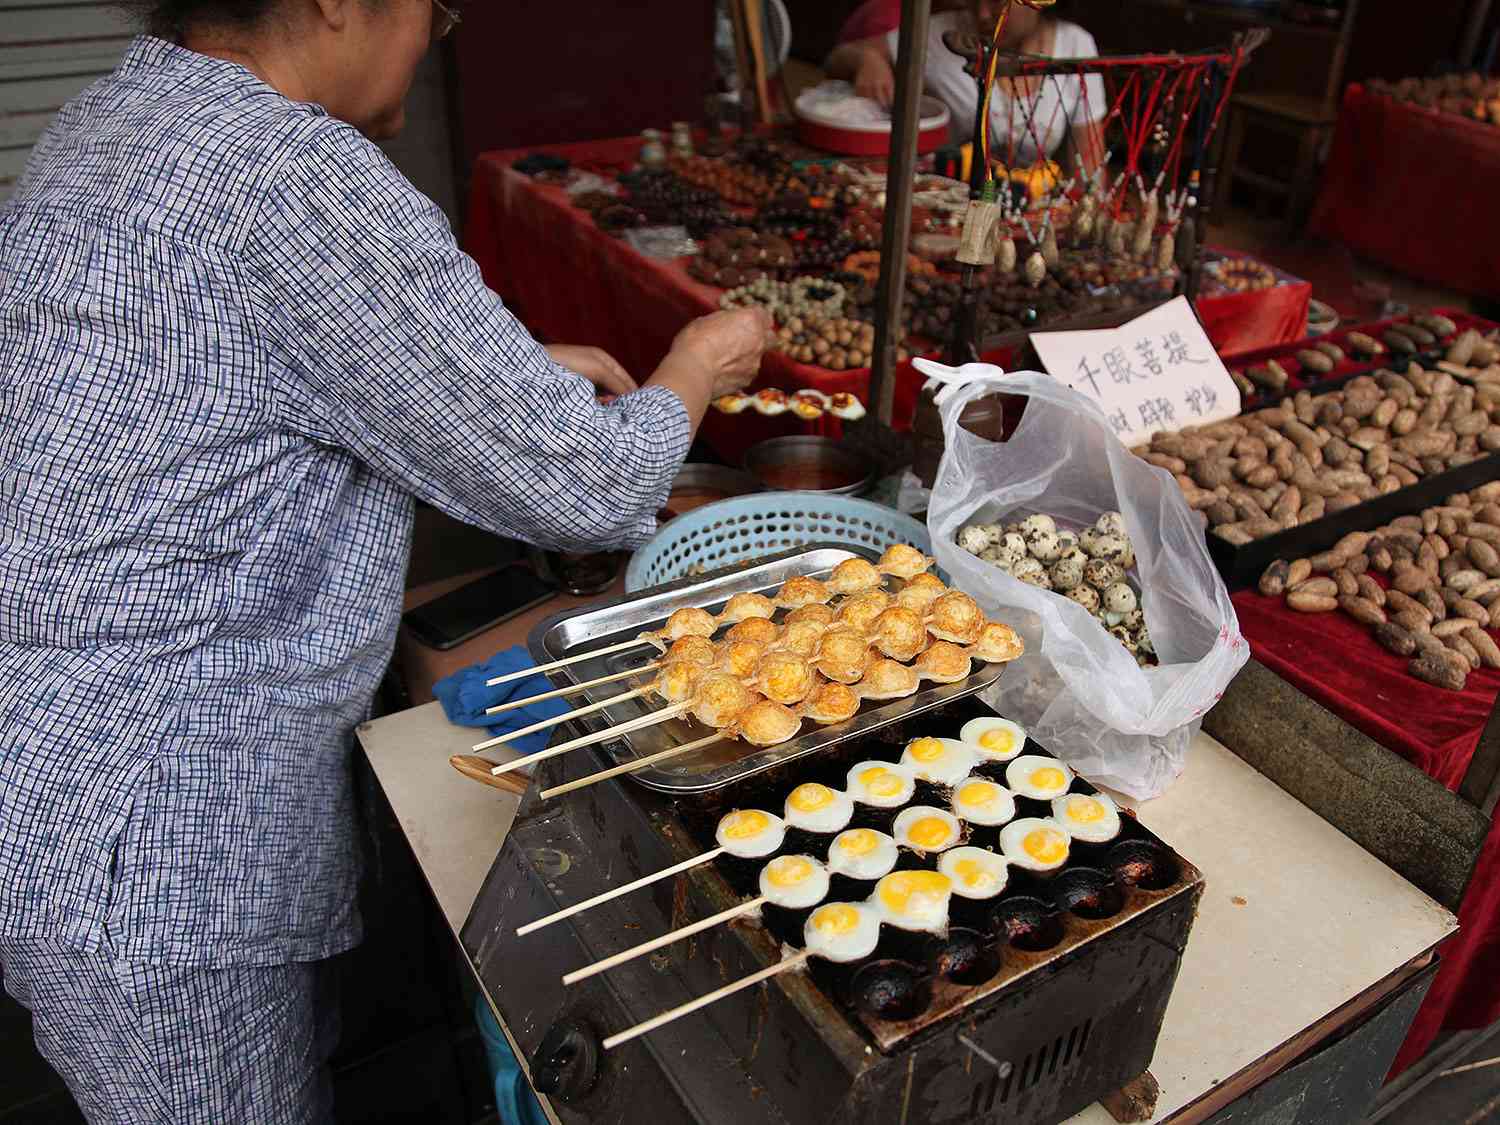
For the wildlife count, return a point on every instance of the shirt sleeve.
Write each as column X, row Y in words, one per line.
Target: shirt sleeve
column 384, row 340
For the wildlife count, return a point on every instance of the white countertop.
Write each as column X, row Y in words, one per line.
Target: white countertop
column 1296, row 919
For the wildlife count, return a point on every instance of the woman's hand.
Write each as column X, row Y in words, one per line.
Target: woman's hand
column 594, row 364
column 726, row 346
column 875, row 78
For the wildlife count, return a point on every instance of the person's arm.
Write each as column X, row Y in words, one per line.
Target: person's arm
column 867, row 64
column 383, row 340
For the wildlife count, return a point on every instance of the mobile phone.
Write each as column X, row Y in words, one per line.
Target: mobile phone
column 469, row 610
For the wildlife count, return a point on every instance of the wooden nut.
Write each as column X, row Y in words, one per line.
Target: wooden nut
column 1450, row 626
column 1475, row 612
column 1398, row 602
column 1396, row 639
column 1409, row 578
column 1304, row 602
column 1273, row 581
column 1298, row 571
column 1484, row 645
column 1344, row 579
column 1325, row 561
column 1463, row 579
column 1434, row 670
column 1412, row 620
column 1459, row 644
column 1362, row 610
column 1432, row 601
column 1370, row 590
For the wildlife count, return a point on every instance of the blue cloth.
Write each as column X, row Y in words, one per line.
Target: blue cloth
column 234, row 342
column 465, row 698
column 515, row 1101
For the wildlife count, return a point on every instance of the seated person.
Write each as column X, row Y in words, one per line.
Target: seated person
column 1035, row 115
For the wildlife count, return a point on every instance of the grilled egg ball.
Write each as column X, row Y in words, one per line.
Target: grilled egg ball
column 881, row 785
column 914, row 900
column 942, row 761
column 842, row 931
column 980, row 801
column 816, row 808
column 794, row 882
column 925, row 829
column 1034, row 843
column 976, row 872
column 750, row 833
column 1038, row 777
column 994, row 739
column 1094, row 818
column 862, row 853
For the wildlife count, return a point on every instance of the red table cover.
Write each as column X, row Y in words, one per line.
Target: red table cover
column 571, row 282
column 1336, row 662
column 1414, row 189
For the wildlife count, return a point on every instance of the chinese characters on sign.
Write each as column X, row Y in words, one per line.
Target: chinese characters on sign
column 1159, row 372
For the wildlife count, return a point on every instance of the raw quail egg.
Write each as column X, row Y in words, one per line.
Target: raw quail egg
column 794, row 881
column 1034, row 843
column 1086, row 596
column 942, row 761
column 862, row 853
column 976, row 872
column 1119, row 598
column 1031, row 571
column 994, row 739
column 1113, row 548
column 842, row 931
column 913, row 900
column 880, row 785
column 1038, row 777
column 979, row 800
column 1124, row 636
column 1143, row 643
column 1067, row 542
column 1066, row 573
column 1093, row 818
column 1033, row 526
column 1135, row 620
column 973, row 539
column 1015, row 543
column 1111, row 523
column 1102, row 574
column 926, row 829
column 1044, row 546
column 1087, row 539
column 1005, row 558
column 750, row 833
column 816, row 808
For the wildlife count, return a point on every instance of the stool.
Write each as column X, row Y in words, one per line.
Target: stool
column 1310, row 120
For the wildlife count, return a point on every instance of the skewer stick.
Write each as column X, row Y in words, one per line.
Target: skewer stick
column 593, row 739
column 666, row 939
column 704, row 1001
column 616, row 892
column 629, row 767
column 558, row 693
column 565, row 661
column 577, row 712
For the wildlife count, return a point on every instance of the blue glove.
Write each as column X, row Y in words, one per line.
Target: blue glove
column 465, row 698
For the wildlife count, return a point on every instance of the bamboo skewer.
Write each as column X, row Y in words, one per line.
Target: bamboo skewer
column 792, row 962
column 665, row 939
column 616, row 892
column 541, row 669
column 559, row 693
column 576, row 713
column 593, row 739
column 630, row 767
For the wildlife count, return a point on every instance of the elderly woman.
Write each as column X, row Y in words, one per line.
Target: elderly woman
column 234, row 344
column 1032, row 116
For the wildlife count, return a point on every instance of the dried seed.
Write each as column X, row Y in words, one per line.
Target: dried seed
column 1434, row 670
column 1409, row 578
column 1347, row 586
column 1451, row 626
column 1432, row 601
column 1459, row 644
column 1412, row 621
column 1298, row 571
column 1472, row 610
column 1463, row 579
column 1370, row 590
column 1304, row 602
column 1400, row 603
column 1273, row 581
column 1362, row 610
column 1395, row 638
column 1484, row 645
column 1325, row 587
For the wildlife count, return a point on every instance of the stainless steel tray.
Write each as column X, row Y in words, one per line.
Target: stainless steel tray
column 605, row 623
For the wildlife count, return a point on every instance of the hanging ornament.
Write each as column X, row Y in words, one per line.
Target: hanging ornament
column 1035, row 269
column 1048, row 248
column 1145, row 226
column 1120, row 233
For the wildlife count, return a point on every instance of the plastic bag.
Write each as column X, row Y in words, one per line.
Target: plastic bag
column 1078, row 691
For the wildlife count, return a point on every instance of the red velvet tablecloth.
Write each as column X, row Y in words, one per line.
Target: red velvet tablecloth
column 1414, row 189
column 571, row 282
column 1335, row 661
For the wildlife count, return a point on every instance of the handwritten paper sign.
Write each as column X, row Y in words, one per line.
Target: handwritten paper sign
column 1158, row 372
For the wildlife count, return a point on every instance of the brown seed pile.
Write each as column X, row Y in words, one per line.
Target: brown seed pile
column 1443, row 570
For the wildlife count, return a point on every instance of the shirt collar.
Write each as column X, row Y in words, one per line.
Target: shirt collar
column 149, row 52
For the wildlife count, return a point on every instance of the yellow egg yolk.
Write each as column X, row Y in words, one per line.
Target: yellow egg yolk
column 1048, row 777
column 1085, row 810
column 810, row 797
column 1046, row 845
column 744, row 824
column 927, row 749
column 974, row 874
column 998, row 740
column 898, row 890
column 837, row 918
column 978, row 793
column 883, row 783
column 861, row 841
column 788, row 871
column 930, row 832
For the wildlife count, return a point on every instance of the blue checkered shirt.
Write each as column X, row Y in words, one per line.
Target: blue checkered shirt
column 234, row 343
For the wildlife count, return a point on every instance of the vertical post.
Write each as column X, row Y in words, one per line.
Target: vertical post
column 911, row 59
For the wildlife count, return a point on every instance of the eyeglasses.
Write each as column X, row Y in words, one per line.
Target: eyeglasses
column 444, row 19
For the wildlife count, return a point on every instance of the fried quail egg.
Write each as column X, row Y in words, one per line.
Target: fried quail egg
column 1035, row 844
column 750, row 833
column 975, row 872
column 1038, row 777
column 979, row 800
column 1086, row 596
column 913, row 900
column 842, row 931
column 994, row 739
column 942, row 761
column 881, row 785
column 816, row 808
column 1094, row 818
column 862, row 853
column 794, row 881
column 925, row 829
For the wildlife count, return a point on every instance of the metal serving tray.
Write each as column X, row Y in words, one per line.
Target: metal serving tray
column 601, row 625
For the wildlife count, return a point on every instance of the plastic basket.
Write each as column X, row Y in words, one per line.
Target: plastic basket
column 746, row 527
